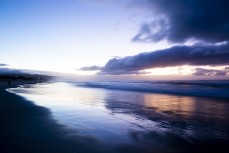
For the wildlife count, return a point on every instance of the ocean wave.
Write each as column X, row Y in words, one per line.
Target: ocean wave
column 213, row 89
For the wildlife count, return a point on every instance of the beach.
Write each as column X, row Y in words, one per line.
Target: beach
column 114, row 76
column 27, row 128
column 59, row 117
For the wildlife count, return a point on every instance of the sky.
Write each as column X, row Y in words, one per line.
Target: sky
column 116, row 37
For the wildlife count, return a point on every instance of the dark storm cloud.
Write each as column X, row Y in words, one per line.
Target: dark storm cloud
column 90, row 68
column 117, row 72
column 210, row 72
column 121, row 72
column 2, row 64
column 180, row 20
column 197, row 55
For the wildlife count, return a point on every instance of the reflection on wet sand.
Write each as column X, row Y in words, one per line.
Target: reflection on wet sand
column 186, row 106
column 187, row 117
column 170, row 103
column 135, row 121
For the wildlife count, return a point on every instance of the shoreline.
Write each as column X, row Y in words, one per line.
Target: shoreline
column 28, row 128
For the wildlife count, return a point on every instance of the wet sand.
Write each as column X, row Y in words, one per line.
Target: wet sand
column 27, row 128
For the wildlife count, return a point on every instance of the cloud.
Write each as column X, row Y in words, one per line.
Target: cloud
column 152, row 32
column 181, row 20
column 2, row 64
column 117, row 72
column 90, row 68
column 121, row 72
column 210, row 72
column 196, row 55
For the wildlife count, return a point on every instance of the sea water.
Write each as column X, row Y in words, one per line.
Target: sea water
column 142, row 115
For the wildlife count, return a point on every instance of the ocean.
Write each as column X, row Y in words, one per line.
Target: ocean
column 139, row 116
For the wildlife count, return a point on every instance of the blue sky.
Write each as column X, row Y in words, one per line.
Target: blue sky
column 62, row 35
column 65, row 35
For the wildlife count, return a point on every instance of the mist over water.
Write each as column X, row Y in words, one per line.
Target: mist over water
column 136, row 116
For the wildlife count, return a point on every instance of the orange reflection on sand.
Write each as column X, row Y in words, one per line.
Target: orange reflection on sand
column 170, row 103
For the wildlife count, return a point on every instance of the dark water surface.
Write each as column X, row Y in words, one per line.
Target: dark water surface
column 136, row 121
